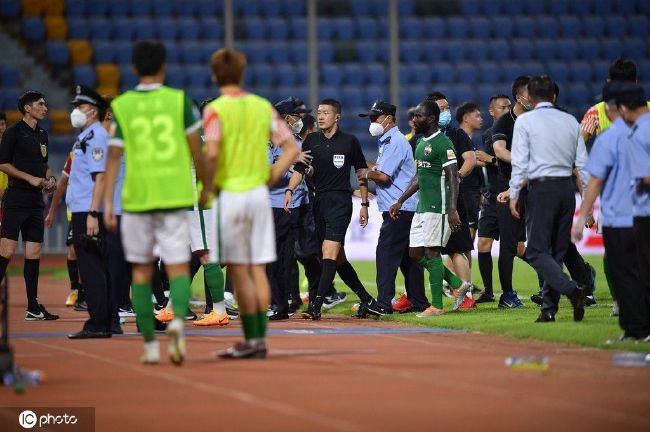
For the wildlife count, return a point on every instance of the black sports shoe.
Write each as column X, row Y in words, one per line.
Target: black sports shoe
column 311, row 313
column 81, row 306
column 333, row 300
column 485, row 298
column 232, row 313
column 590, row 301
column 578, row 302
column 278, row 316
column 376, row 309
column 41, row 314
column 537, row 298
column 362, row 312
column 545, row 317
column 189, row 315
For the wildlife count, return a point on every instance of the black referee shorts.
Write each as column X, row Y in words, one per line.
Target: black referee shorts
column 304, row 231
column 488, row 222
column 28, row 222
column 332, row 215
column 68, row 239
column 472, row 201
column 460, row 241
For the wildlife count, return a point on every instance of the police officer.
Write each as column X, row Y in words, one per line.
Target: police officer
column 85, row 190
column 392, row 173
column 23, row 157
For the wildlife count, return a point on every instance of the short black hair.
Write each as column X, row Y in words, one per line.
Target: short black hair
column 435, row 96
column 308, row 121
column 541, row 87
column 28, row 98
column 148, row 57
column 519, row 83
column 497, row 96
column 556, row 90
column 3, row 116
column 333, row 103
column 622, row 70
column 431, row 108
column 466, row 108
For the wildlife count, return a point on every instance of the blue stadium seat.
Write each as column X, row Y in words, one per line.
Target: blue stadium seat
column 566, row 49
column 255, row 29
column 247, row 8
column 144, row 28
column 570, row 26
column 186, row 9
column 588, row 48
column 492, row 7
column 10, row 98
column 57, row 52
column 637, row 26
column 128, row 78
column 422, row 73
column 469, row 7
column 462, row 93
column 294, row 9
column 580, row 7
column 325, row 52
column 559, row 71
column 611, row 48
column 120, row 8
column 457, row 27
column 298, row 52
column 368, row 51
column 175, row 76
column 547, row 26
column 479, row 27
column 198, row 75
column 643, row 7
column 84, row 75
column 100, row 29
column 603, row 7
column 78, row 28
column 261, row 74
column 343, row 28
column 409, row 51
column 411, row 28
column 635, row 48
column 142, row 8
column 466, row 72
column 512, row 7
column 271, row 9
column 123, row 30
column 278, row 52
column 405, row 75
column 373, row 93
column 476, row 50
column 580, row 71
column 198, row 94
column 483, row 94
column 33, row 29
column 353, row 74
column 122, row 52
column 502, row 27
column 489, row 72
column 166, row 29
column 298, row 28
column 405, row 7
column 526, row 27
column 209, row 8
column 173, row 52
column 9, row 77
column 98, row 9
column 544, row 49
column 255, row 51
column 103, row 52
column 593, row 26
column 188, row 29
column 325, row 29
column 512, row 69
column 369, row 28
column 417, row 93
column 192, row 53
column 625, row 7
column 578, row 94
column 600, row 70
column 499, row 49
column 302, row 75
column 434, row 28
column 615, row 26
column 10, row 9
column 277, row 29
column 444, row 73
column 329, row 92
column 432, row 52
column 211, row 29
column 285, row 75
column 534, row 7
column 351, row 97
column 558, row 8
column 164, row 9
column 376, row 74
column 521, row 49
column 454, row 49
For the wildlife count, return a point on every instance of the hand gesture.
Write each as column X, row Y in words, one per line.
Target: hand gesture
column 304, row 157
column 454, row 220
column 92, row 226
column 37, row 182
column 394, row 210
column 504, row 197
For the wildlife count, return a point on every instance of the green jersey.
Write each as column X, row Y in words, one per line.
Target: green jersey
column 432, row 154
column 152, row 124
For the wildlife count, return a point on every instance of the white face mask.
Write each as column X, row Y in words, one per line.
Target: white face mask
column 78, row 118
column 297, row 127
column 376, row 129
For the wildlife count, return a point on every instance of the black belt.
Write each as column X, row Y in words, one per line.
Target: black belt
column 547, row 179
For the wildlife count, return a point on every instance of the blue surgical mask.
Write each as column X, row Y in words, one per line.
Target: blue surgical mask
column 445, row 119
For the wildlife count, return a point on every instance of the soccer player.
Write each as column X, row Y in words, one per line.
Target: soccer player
column 238, row 126
column 436, row 215
column 157, row 131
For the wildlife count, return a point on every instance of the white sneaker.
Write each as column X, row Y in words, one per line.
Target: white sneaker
column 465, row 289
column 615, row 309
column 176, row 334
column 151, row 353
column 229, row 301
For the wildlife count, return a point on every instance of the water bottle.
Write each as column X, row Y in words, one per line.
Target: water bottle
column 632, row 359
column 527, row 363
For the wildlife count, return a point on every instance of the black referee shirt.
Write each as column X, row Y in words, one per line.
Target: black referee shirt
column 463, row 143
column 26, row 149
column 492, row 170
column 332, row 160
column 502, row 130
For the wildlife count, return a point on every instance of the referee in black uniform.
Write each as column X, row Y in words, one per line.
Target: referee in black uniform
column 334, row 153
column 23, row 157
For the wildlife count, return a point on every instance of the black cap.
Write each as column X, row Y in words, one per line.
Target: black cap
column 87, row 95
column 630, row 93
column 380, row 108
column 291, row 105
column 610, row 90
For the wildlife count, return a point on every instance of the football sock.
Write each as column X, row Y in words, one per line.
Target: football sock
column 143, row 308
column 452, row 279
column 30, row 273
column 436, row 274
column 180, row 295
column 261, row 324
column 351, row 279
column 326, row 278
column 73, row 274
column 485, row 267
column 251, row 326
column 214, row 283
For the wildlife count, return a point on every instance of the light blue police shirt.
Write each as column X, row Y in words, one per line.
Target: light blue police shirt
column 117, row 194
column 395, row 159
column 638, row 155
column 300, row 196
column 89, row 158
column 608, row 162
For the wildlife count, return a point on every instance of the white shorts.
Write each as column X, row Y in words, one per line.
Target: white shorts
column 165, row 231
column 203, row 226
column 429, row 230
column 246, row 233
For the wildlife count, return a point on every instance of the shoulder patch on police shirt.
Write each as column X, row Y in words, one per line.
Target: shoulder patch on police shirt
column 98, row 154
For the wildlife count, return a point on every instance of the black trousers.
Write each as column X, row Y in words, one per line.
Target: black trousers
column 633, row 299
column 92, row 270
column 393, row 254
column 549, row 215
column 119, row 270
column 511, row 231
column 279, row 272
column 308, row 252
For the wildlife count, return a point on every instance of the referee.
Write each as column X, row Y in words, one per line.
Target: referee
column 546, row 144
column 334, row 153
column 23, row 157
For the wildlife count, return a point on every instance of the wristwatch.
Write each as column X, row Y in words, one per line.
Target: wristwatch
column 494, row 160
column 365, row 204
column 93, row 214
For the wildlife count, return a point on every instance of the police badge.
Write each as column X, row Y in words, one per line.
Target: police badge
column 98, row 154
